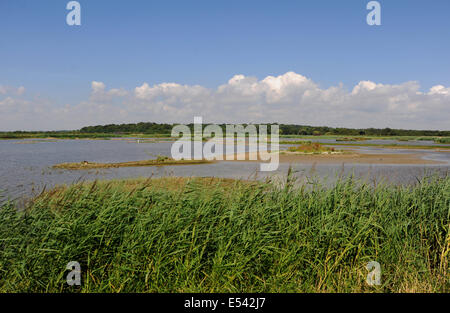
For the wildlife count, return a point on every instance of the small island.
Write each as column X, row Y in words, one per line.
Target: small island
column 160, row 161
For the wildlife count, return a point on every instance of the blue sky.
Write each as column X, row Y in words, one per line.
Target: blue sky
column 125, row 44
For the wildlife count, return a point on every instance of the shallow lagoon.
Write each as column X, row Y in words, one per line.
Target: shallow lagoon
column 25, row 165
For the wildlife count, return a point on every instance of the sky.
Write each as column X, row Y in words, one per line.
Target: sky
column 310, row 62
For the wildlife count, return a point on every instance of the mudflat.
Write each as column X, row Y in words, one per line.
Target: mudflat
column 338, row 158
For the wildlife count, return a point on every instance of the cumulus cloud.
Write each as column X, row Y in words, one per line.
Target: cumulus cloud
column 99, row 92
column 287, row 98
column 439, row 90
column 8, row 90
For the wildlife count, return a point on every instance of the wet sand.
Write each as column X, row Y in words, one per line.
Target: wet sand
column 350, row 157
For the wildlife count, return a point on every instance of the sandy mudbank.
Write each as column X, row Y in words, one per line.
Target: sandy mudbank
column 338, row 158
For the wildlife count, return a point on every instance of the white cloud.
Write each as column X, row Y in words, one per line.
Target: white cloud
column 99, row 92
column 98, row 87
column 8, row 90
column 288, row 98
column 365, row 86
column 439, row 90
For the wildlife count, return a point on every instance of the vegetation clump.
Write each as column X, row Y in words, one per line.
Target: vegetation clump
column 443, row 140
column 309, row 147
column 352, row 139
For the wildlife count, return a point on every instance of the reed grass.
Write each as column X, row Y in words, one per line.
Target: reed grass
column 214, row 235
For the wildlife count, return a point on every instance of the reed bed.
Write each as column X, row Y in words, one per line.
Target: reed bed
column 215, row 235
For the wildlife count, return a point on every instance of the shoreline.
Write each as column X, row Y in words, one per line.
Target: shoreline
column 352, row 157
column 92, row 165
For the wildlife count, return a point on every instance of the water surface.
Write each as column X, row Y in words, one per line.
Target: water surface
column 25, row 165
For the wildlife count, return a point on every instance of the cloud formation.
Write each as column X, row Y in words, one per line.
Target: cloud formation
column 288, row 98
column 8, row 90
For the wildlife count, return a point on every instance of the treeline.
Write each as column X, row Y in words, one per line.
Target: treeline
column 50, row 134
column 323, row 130
column 141, row 128
column 285, row 129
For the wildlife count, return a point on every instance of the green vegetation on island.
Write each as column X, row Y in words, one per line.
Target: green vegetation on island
column 160, row 161
column 309, row 147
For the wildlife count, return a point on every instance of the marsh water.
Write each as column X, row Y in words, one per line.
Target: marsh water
column 25, row 165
